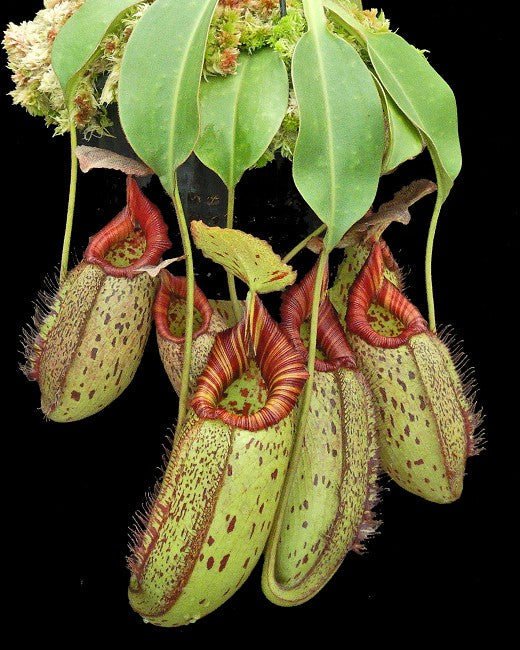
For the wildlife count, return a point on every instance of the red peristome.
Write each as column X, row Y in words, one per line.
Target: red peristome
column 138, row 214
column 388, row 258
column 280, row 364
column 173, row 289
column 371, row 286
column 331, row 339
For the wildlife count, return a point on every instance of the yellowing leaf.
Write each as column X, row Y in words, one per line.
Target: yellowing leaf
column 246, row 257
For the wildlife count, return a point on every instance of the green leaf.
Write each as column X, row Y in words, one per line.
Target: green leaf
column 241, row 113
column 246, row 257
column 339, row 151
column 159, row 83
column 77, row 42
column 404, row 141
column 424, row 97
column 346, row 18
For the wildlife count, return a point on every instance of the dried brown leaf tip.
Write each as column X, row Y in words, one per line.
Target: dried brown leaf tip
column 97, row 158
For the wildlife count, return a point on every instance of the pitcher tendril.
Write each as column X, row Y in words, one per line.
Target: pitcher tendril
column 190, row 302
column 64, row 264
column 230, row 278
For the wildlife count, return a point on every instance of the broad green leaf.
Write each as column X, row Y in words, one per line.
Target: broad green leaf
column 338, row 154
column 246, row 257
column 346, row 18
column 77, row 41
column 403, row 140
column 241, row 113
column 425, row 99
column 159, row 83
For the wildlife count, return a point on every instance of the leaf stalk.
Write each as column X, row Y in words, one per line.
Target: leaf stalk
column 301, row 420
column 230, row 277
column 190, row 299
column 64, row 264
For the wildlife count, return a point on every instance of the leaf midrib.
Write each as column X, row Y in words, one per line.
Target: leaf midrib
column 315, row 35
column 240, row 76
column 176, row 91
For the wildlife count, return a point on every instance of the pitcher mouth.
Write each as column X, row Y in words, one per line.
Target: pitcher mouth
column 296, row 308
column 173, row 289
column 371, row 286
column 280, row 365
column 140, row 217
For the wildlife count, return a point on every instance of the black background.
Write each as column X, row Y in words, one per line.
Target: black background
column 71, row 489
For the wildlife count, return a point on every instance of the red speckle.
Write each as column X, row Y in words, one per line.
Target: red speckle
column 210, row 562
column 274, row 474
column 244, row 566
column 244, row 392
column 75, row 395
column 229, row 470
column 211, row 541
column 223, row 563
column 231, row 524
column 418, row 462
